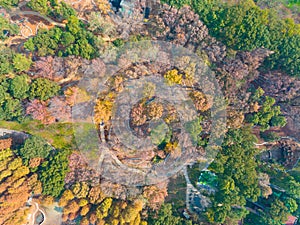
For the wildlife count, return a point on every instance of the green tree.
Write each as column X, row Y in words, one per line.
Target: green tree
column 160, row 133
column 6, row 27
column 269, row 136
column 52, row 173
column 291, row 204
column 243, row 25
column 4, row 95
column 67, row 38
column 35, row 147
column 45, row 42
column 235, row 167
column 73, row 25
column 194, row 128
column 73, row 40
column 278, row 212
column 258, row 93
column 6, row 55
column 179, row 3
column 165, row 217
column 39, row 6
column 43, row 89
column 19, row 86
column 278, row 121
column 29, row 44
column 21, row 62
column 268, row 114
column 63, row 11
column 252, row 218
column 103, row 208
column 287, row 56
column 12, row 109
column 9, row 3
column 85, row 49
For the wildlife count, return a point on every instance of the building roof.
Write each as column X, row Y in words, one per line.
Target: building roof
column 127, row 3
column 291, row 220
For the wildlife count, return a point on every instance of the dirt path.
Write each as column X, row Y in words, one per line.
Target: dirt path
column 17, row 11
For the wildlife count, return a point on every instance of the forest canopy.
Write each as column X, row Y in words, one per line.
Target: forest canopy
column 245, row 26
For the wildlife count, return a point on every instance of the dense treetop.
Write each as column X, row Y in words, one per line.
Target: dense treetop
column 244, row 26
column 38, row 88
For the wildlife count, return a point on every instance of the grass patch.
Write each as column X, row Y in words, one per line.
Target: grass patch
column 60, row 135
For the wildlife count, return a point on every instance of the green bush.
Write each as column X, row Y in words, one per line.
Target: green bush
column 35, row 147
column 43, row 89
column 19, row 86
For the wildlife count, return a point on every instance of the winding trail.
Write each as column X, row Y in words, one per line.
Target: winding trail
column 17, row 11
column 264, row 143
column 34, row 214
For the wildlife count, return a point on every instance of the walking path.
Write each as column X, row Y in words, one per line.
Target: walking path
column 17, row 11
column 34, row 214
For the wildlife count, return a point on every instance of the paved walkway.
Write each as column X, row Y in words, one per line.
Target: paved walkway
column 33, row 216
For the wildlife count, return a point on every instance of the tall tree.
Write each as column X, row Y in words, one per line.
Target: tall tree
column 19, row 86
column 235, row 167
column 35, row 147
column 21, row 62
column 43, row 89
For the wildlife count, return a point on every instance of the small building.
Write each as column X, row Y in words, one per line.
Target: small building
column 5, row 33
column 292, row 220
column 116, row 5
column 127, row 7
column 186, row 215
column 147, row 13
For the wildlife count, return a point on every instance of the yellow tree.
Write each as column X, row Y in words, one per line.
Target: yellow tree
column 103, row 6
column 76, row 95
column 96, row 195
column 66, row 196
column 132, row 211
column 35, row 184
column 155, row 110
column 71, row 207
column 149, row 90
column 47, row 200
column 172, row 77
column 84, row 221
column 102, row 210
column 103, row 108
column 84, row 210
column 201, row 101
column 83, row 202
column 17, row 162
